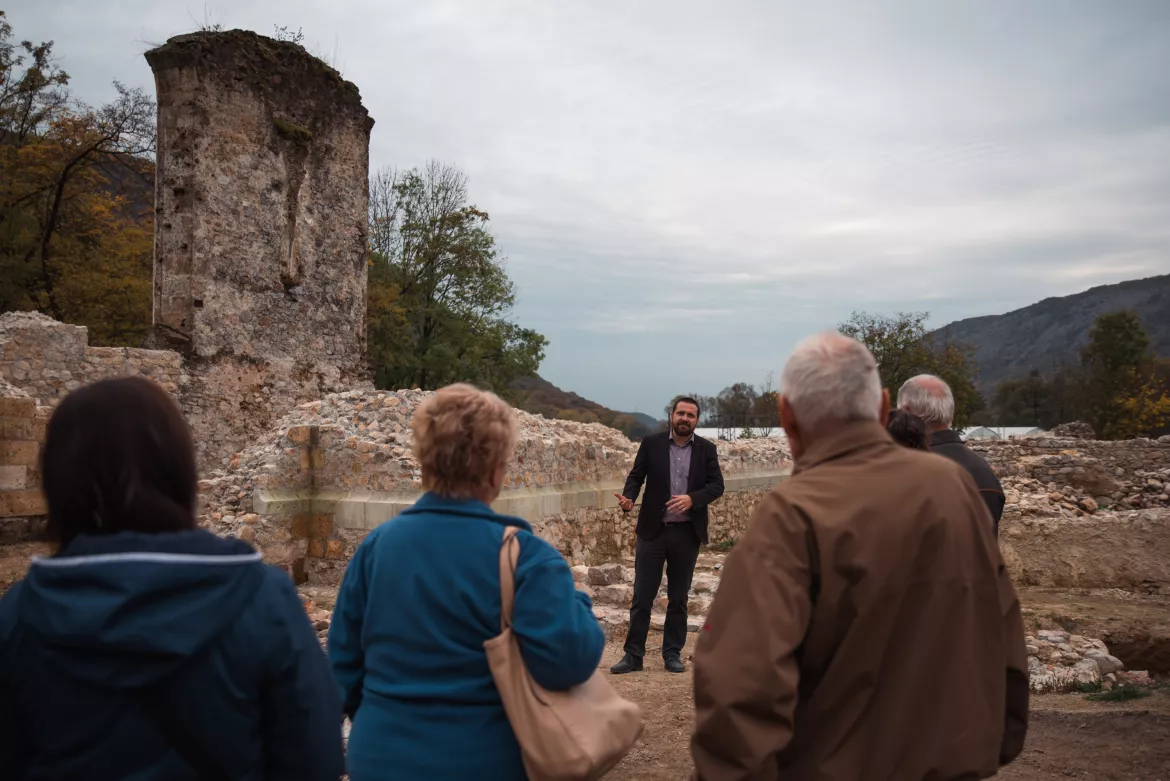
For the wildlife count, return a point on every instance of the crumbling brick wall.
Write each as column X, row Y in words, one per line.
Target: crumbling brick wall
column 261, row 197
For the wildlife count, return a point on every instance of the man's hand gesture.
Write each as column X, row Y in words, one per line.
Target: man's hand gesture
column 625, row 503
column 679, row 504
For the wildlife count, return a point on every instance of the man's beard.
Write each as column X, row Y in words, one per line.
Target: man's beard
column 682, row 429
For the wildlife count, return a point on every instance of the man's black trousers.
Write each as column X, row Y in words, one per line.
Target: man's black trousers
column 676, row 546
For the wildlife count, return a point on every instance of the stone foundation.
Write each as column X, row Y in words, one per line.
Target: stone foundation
column 313, row 487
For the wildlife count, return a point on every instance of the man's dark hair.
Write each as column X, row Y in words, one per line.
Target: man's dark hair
column 118, row 457
column 685, row 400
column 907, row 429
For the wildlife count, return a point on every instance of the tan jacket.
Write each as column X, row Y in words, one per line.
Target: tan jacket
column 865, row 628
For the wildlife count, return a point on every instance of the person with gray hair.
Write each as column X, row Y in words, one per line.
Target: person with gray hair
column 865, row 626
column 930, row 398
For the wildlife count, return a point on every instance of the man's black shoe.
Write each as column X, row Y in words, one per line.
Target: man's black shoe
column 675, row 665
column 628, row 664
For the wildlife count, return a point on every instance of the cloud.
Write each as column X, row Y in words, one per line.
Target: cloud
column 685, row 189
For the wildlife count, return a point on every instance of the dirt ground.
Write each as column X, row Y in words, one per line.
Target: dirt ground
column 1069, row 737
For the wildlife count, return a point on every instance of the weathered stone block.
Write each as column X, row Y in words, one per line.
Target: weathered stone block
column 300, row 526
column 22, row 429
column 605, row 574
column 619, row 594
column 13, row 478
column 19, row 453
column 18, row 407
column 26, row 502
column 321, row 525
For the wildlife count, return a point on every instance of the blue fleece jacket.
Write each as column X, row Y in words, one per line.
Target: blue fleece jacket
column 418, row 600
column 219, row 640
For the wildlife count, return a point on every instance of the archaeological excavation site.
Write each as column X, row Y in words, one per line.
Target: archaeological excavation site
column 259, row 315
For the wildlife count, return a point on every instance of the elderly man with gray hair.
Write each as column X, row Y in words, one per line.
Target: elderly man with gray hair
column 930, row 398
column 865, row 627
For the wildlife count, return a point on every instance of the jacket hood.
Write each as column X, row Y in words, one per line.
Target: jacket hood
column 126, row 609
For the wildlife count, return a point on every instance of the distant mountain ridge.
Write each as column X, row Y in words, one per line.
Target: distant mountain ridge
column 1052, row 331
column 540, row 397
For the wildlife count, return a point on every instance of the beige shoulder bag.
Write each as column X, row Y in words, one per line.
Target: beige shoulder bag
column 575, row 735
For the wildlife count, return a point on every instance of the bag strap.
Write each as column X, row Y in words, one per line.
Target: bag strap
column 180, row 739
column 509, row 555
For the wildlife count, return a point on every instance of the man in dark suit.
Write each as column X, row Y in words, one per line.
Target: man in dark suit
column 682, row 477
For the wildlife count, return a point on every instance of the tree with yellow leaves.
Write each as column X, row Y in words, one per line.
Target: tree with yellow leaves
column 1125, row 388
column 76, row 197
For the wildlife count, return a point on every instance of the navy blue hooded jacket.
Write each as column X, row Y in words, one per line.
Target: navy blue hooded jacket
column 194, row 622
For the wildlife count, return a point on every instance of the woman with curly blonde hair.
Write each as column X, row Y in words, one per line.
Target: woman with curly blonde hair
column 422, row 594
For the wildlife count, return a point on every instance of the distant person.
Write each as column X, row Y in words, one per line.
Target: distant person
column 930, row 398
column 908, row 430
column 422, row 595
column 865, row 628
column 682, row 476
column 145, row 648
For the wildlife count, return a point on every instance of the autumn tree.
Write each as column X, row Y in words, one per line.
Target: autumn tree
column 1125, row 394
column 904, row 348
column 439, row 296
column 76, row 191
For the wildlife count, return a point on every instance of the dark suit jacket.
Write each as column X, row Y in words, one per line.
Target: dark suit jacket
column 652, row 466
column 950, row 445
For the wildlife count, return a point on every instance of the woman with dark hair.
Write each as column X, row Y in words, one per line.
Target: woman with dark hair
column 145, row 647
column 908, row 430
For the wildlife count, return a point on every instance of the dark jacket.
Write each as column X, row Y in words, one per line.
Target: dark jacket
column 419, row 598
column 950, row 445
column 652, row 466
column 187, row 623
column 865, row 628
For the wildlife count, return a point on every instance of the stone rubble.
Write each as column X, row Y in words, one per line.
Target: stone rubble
column 1078, row 429
column 1061, row 662
column 1028, row 497
column 1058, row 661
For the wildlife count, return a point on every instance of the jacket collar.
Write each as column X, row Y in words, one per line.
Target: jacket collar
column 850, row 438
column 946, row 437
column 445, row 505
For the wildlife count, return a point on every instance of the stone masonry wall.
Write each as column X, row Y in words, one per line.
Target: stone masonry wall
column 47, row 359
column 296, row 492
column 1128, row 474
column 260, row 232
column 22, row 433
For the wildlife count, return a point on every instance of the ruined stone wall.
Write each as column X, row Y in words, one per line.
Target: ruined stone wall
column 260, row 232
column 1127, row 474
column 22, row 434
column 41, row 361
column 311, row 489
column 47, row 359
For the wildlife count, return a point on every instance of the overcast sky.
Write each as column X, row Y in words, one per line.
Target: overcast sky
column 685, row 189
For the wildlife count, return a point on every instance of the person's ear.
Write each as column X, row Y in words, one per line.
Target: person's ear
column 884, row 415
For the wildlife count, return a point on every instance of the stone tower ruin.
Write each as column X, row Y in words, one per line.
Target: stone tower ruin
column 261, row 197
